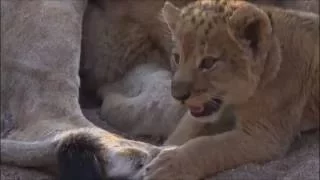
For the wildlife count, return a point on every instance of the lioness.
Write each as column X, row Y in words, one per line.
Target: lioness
column 42, row 125
column 262, row 60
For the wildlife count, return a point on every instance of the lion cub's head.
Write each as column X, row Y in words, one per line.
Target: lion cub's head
column 219, row 52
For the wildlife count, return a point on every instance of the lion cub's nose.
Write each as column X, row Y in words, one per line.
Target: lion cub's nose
column 180, row 90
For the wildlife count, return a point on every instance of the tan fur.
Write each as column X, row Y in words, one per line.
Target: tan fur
column 123, row 47
column 119, row 39
column 39, row 66
column 190, row 127
column 267, row 66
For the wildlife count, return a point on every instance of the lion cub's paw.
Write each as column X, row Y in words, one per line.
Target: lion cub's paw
column 128, row 161
column 170, row 164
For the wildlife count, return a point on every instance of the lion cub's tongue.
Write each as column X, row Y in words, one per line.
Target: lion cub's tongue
column 196, row 109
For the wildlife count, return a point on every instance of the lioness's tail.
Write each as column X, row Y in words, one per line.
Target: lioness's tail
column 79, row 157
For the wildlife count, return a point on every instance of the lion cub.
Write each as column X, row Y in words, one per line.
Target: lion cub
column 262, row 60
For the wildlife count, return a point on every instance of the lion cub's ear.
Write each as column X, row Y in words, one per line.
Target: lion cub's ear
column 170, row 14
column 250, row 26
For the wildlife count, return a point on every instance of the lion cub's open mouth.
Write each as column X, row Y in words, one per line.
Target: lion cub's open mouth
column 206, row 109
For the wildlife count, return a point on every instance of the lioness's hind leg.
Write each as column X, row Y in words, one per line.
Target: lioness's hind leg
column 35, row 154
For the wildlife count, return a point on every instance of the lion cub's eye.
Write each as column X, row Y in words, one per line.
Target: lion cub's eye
column 208, row 63
column 176, row 58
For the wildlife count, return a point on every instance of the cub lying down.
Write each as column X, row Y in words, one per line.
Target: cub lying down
column 262, row 60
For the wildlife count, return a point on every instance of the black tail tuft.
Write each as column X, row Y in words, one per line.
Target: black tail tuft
column 79, row 158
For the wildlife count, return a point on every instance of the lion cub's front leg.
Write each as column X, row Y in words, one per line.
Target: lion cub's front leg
column 207, row 155
column 256, row 140
column 190, row 127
